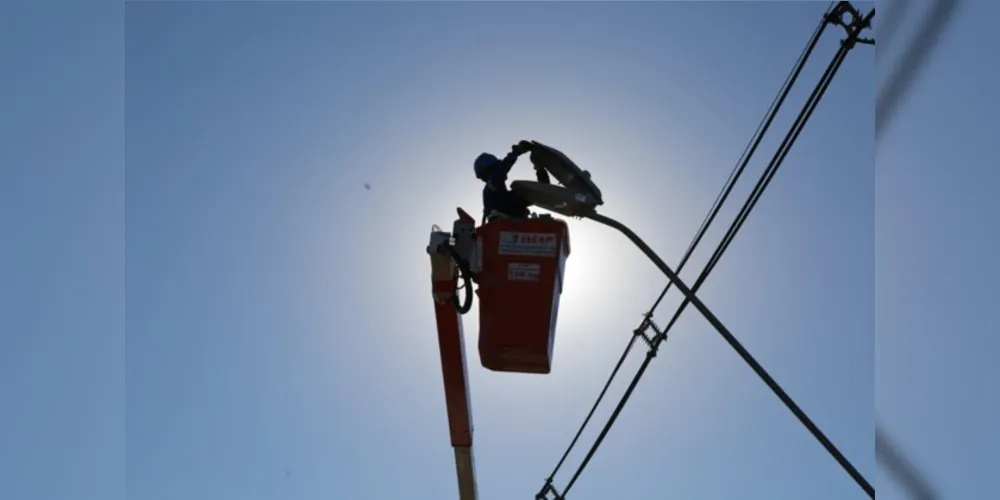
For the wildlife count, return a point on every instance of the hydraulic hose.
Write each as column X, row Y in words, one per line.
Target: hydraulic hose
column 463, row 276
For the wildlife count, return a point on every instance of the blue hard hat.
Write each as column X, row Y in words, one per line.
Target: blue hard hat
column 483, row 163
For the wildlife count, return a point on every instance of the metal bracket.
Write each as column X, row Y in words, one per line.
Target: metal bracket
column 854, row 26
column 548, row 488
column 654, row 341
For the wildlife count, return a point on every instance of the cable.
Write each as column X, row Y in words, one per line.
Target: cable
column 779, row 157
column 750, row 148
column 590, row 415
column 760, row 371
column 911, row 63
column 720, row 200
column 756, row 367
column 893, row 18
column 751, row 202
column 734, row 176
column 899, row 466
column 464, row 274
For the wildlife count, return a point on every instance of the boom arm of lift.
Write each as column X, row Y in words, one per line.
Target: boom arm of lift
column 443, row 249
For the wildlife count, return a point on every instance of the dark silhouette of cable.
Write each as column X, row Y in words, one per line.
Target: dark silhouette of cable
column 893, row 17
column 720, row 200
column 900, row 467
column 727, row 240
column 888, row 100
column 854, row 30
column 749, row 150
column 912, row 61
column 772, row 384
column 590, row 415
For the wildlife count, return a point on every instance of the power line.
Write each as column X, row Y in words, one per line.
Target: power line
column 911, row 63
column 854, row 29
column 888, row 100
column 720, row 200
column 898, row 465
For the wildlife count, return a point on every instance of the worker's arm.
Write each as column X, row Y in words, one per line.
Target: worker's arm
column 506, row 164
column 498, row 175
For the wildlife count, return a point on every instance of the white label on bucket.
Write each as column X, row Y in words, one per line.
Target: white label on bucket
column 536, row 244
column 523, row 272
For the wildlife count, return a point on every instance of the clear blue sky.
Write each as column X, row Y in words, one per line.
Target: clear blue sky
column 280, row 337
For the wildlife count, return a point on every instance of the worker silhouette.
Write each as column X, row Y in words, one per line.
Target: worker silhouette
column 499, row 201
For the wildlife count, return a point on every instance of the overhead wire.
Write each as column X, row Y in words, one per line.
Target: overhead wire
column 854, row 30
column 898, row 465
column 720, row 199
column 910, row 64
column 661, row 336
column 741, row 218
column 751, row 147
column 916, row 55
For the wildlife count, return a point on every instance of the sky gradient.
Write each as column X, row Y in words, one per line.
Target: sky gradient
column 280, row 336
column 281, row 333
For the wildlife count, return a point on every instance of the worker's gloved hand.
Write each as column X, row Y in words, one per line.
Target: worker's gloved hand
column 521, row 147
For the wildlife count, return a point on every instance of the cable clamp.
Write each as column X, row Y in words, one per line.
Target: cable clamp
column 548, row 488
column 652, row 341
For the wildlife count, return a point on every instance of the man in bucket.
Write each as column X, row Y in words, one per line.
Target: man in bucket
column 498, row 200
